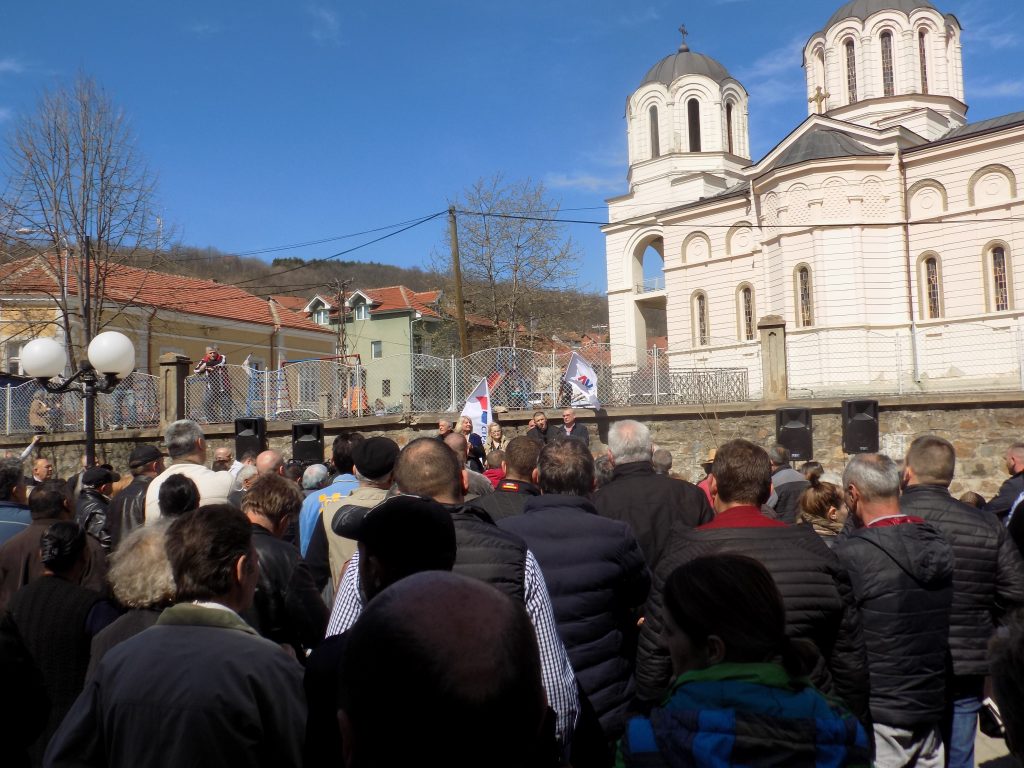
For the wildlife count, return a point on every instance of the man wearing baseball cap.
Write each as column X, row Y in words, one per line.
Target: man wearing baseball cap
column 128, row 509
column 398, row 537
column 374, row 459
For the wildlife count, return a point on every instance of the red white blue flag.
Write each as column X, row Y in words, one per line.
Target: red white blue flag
column 580, row 377
column 478, row 408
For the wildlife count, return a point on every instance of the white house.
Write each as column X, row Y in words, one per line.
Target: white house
column 885, row 228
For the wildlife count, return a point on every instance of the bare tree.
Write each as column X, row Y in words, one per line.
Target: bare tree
column 80, row 195
column 512, row 249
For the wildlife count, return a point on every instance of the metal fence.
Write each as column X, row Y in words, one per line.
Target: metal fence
column 29, row 407
column 520, row 379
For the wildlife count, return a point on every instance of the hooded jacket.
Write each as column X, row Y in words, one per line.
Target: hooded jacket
column 902, row 575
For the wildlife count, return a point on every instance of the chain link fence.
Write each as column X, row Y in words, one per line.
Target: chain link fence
column 28, row 407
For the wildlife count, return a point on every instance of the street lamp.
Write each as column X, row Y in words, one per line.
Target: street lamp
column 111, row 357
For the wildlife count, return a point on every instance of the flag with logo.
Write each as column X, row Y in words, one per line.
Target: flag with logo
column 582, row 380
column 478, row 408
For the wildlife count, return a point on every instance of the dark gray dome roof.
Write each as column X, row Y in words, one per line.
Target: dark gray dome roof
column 862, row 9
column 686, row 63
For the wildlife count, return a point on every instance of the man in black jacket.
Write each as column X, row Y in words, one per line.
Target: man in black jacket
column 520, row 467
column 988, row 581
column 127, row 510
column 815, row 588
column 539, row 431
column 1013, row 486
column 651, row 503
column 901, row 568
column 287, row 607
column 597, row 586
column 94, row 502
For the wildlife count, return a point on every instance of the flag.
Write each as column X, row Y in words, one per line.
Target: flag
column 580, row 377
column 478, row 409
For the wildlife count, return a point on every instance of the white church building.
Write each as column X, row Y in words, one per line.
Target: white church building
column 885, row 229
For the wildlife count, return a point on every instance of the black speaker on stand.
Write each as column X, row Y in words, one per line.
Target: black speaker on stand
column 308, row 442
column 250, row 435
column 793, row 430
column 860, row 426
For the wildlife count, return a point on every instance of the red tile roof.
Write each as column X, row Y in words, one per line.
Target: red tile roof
column 294, row 303
column 397, row 298
column 143, row 287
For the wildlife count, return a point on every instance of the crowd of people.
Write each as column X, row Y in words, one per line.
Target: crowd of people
column 510, row 601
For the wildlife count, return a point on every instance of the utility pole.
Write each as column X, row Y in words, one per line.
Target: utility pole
column 460, row 309
column 339, row 291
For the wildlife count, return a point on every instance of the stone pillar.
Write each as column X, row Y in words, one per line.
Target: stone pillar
column 775, row 379
column 174, row 369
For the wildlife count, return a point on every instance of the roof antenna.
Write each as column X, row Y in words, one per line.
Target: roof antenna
column 683, row 47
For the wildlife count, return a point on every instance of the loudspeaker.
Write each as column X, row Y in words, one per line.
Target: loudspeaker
column 793, row 430
column 250, row 435
column 860, row 426
column 308, row 441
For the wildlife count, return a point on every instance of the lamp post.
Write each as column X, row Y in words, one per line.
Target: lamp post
column 111, row 357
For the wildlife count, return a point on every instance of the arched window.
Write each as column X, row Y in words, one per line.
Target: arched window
column 652, row 117
column 932, row 288
column 888, row 88
column 701, row 338
column 922, row 52
column 693, row 124
column 746, row 313
column 804, row 297
column 851, row 71
column 1000, row 280
column 728, row 126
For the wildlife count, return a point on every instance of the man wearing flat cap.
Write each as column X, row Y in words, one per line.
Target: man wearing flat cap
column 94, row 502
column 128, row 509
column 374, row 459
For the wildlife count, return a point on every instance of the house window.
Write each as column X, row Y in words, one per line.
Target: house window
column 932, row 288
column 309, row 384
column 922, row 52
column 362, row 312
column 804, row 293
column 728, row 126
column 700, row 319
column 14, row 356
column 851, row 72
column 322, row 316
column 693, row 124
column 385, row 388
column 652, row 118
column 888, row 87
column 746, row 313
column 376, row 348
column 1000, row 280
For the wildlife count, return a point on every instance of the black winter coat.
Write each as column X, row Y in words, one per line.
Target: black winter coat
column 598, row 582
column 789, row 486
column 815, row 590
column 988, row 573
column 287, row 607
column 488, row 553
column 91, row 513
column 127, row 509
column 1011, row 488
column 651, row 504
column 902, row 577
column 507, row 500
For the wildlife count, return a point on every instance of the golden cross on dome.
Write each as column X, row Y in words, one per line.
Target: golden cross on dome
column 818, row 99
column 683, row 47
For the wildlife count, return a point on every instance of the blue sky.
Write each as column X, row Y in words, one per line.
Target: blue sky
column 274, row 123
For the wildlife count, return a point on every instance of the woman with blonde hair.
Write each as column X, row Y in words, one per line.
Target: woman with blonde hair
column 496, row 440
column 821, row 506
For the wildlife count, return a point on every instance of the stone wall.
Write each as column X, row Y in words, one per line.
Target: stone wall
column 981, row 428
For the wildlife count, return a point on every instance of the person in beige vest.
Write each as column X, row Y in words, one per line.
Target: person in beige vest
column 374, row 460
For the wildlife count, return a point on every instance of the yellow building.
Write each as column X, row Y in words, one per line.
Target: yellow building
column 159, row 312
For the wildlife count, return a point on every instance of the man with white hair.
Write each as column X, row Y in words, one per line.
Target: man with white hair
column 649, row 502
column 186, row 447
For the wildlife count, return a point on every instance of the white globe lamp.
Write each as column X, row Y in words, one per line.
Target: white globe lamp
column 113, row 353
column 44, row 358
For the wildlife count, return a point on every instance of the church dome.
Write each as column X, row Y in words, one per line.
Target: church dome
column 863, row 9
column 683, row 63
